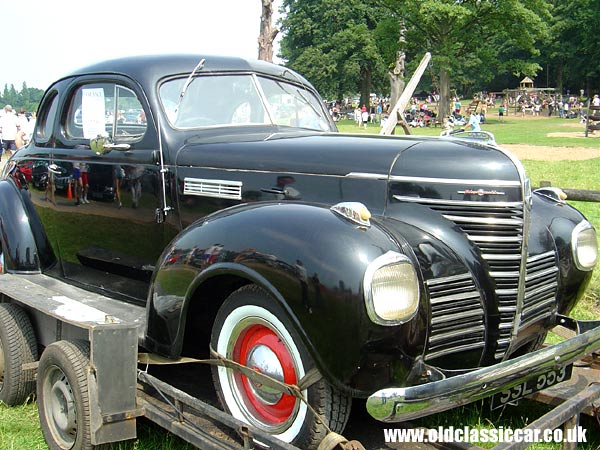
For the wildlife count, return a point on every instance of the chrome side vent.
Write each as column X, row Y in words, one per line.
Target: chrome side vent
column 457, row 316
column 213, row 188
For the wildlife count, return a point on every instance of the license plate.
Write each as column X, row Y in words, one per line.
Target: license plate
column 532, row 385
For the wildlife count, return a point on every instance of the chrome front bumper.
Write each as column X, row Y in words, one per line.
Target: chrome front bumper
column 400, row 404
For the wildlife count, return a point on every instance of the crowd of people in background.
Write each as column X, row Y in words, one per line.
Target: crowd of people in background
column 421, row 112
column 16, row 129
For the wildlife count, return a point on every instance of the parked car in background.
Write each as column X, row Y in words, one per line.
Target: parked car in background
column 401, row 270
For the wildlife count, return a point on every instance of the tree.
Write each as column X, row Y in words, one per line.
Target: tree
column 473, row 39
column 571, row 57
column 267, row 32
column 334, row 45
column 27, row 99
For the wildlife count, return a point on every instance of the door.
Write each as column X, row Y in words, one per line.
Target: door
column 99, row 209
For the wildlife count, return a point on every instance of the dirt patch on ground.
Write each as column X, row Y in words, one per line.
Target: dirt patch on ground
column 542, row 153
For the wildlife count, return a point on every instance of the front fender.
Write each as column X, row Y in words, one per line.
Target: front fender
column 24, row 242
column 560, row 219
column 312, row 262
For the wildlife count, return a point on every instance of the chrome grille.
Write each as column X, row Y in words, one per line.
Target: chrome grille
column 457, row 317
column 541, row 284
column 497, row 229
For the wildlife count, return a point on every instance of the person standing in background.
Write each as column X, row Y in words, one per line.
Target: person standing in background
column 9, row 127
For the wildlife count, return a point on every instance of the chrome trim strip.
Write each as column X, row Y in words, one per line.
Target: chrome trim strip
column 442, row 337
column 500, row 257
column 534, row 259
column 367, row 176
column 507, row 291
column 503, row 183
column 508, row 274
column 456, row 316
column 483, row 220
column 503, row 239
column 540, row 290
column 543, row 273
column 399, row 404
column 450, row 279
column 461, row 348
column 500, row 205
column 454, row 297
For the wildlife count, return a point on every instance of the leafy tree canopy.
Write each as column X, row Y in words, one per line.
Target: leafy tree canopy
column 27, row 98
column 475, row 44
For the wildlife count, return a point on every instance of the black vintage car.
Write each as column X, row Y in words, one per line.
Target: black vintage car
column 420, row 273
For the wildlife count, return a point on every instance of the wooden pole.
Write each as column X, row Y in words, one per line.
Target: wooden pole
column 390, row 124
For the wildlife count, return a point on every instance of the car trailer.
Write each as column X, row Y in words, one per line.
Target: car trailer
column 90, row 389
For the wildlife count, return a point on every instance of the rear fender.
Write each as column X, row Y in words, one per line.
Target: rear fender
column 24, row 243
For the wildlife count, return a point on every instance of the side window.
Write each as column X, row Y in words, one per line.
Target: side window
column 131, row 119
column 105, row 109
column 46, row 119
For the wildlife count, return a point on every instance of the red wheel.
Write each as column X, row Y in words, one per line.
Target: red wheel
column 260, row 348
column 251, row 330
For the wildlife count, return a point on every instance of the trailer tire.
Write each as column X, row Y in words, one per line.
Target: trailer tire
column 251, row 328
column 62, row 393
column 18, row 346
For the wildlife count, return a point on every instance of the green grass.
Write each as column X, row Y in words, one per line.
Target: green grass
column 20, row 430
column 512, row 130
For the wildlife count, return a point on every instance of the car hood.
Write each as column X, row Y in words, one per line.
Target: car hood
column 321, row 154
column 415, row 167
column 458, row 171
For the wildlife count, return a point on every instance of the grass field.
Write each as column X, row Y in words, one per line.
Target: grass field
column 538, row 131
column 19, row 427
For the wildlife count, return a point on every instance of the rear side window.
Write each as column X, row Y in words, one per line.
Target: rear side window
column 105, row 109
column 45, row 121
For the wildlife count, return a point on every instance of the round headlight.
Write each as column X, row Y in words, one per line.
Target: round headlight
column 391, row 289
column 585, row 246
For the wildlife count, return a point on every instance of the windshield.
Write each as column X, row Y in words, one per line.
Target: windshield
column 222, row 100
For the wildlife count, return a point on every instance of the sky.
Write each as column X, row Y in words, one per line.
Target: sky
column 43, row 40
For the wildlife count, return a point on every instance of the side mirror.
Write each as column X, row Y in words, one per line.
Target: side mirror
column 101, row 145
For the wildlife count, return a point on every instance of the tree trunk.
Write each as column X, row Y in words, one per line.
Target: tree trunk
column 445, row 101
column 559, row 78
column 267, row 32
column 365, row 87
column 396, row 75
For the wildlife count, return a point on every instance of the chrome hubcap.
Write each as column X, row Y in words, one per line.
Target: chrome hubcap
column 264, row 360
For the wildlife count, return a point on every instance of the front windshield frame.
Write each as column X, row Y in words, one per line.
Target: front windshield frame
column 241, row 99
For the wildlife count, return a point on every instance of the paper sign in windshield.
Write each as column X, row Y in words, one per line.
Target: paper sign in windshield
column 92, row 113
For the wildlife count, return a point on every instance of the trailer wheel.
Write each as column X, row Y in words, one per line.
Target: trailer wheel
column 18, row 346
column 62, row 392
column 251, row 329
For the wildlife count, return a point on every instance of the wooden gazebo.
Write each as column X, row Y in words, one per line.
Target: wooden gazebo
column 526, row 83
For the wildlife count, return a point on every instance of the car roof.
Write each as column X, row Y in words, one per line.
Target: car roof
column 151, row 68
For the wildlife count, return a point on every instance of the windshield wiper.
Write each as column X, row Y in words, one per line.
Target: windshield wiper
column 189, row 80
